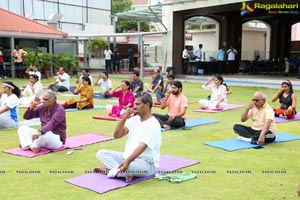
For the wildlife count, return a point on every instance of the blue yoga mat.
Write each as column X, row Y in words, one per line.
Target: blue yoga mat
column 194, row 122
column 235, row 144
column 95, row 107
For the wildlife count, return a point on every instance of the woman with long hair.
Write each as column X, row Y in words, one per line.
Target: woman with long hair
column 219, row 91
column 86, row 92
column 126, row 99
column 287, row 99
column 9, row 102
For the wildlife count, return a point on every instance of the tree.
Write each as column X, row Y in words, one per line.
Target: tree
column 119, row 6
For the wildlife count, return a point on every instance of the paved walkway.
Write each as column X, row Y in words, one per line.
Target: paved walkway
column 243, row 80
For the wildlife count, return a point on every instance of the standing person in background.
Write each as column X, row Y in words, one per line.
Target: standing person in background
column 198, row 52
column 2, row 63
column 116, row 58
column 185, row 58
column 18, row 54
column 231, row 54
column 221, row 59
column 107, row 56
column 9, row 101
column 130, row 58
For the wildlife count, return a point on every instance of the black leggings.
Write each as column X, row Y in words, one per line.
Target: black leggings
column 248, row 132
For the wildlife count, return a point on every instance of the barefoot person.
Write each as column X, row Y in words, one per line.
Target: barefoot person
column 287, row 99
column 142, row 149
column 263, row 127
column 177, row 106
column 52, row 134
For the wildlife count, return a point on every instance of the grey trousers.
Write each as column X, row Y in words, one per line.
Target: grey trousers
column 141, row 166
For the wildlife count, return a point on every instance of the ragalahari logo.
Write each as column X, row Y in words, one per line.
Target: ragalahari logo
column 246, row 9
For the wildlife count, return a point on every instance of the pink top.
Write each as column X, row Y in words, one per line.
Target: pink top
column 175, row 104
column 123, row 101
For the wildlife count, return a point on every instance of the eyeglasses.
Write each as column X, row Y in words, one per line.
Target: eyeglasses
column 256, row 100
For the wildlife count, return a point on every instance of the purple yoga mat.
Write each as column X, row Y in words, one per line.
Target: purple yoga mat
column 76, row 141
column 230, row 107
column 281, row 120
column 101, row 184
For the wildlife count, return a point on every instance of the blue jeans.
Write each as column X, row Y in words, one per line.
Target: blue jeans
column 159, row 95
column 3, row 69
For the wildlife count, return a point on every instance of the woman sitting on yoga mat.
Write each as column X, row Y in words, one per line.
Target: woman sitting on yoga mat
column 86, row 95
column 33, row 88
column 219, row 91
column 287, row 99
column 126, row 99
column 9, row 102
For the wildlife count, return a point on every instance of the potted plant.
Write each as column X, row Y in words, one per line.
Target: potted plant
column 45, row 61
column 96, row 45
column 68, row 61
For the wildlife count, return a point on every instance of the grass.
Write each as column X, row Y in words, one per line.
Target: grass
column 215, row 178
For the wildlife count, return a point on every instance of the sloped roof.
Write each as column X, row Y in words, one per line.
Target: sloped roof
column 12, row 23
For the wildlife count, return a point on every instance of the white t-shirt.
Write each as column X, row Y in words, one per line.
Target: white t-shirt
column 90, row 77
column 105, row 84
column 36, row 73
column 148, row 132
column 231, row 54
column 107, row 54
column 66, row 81
column 12, row 102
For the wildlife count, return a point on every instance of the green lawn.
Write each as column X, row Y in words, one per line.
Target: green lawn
column 222, row 184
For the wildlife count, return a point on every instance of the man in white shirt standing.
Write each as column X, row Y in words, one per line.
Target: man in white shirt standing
column 62, row 83
column 142, row 150
column 198, row 52
column 107, row 56
column 231, row 53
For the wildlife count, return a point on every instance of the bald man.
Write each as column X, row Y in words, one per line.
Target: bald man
column 263, row 127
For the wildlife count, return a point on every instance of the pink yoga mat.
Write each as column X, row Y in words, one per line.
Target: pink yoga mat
column 281, row 120
column 101, row 184
column 230, row 107
column 72, row 142
column 109, row 118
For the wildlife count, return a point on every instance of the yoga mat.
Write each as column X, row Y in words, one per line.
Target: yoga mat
column 75, row 109
column 194, row 122
column 72, row 142
column 281, row 120
column 101, row 184
column 235, row 144
column 230, row 107
column 109, row 118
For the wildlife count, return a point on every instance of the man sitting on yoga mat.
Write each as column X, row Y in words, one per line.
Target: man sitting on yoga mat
column 52, row 134
column 263, row 127
column 177, row 105
column 142, row 149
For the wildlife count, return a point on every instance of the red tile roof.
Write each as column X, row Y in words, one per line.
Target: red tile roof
column 17, row 24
